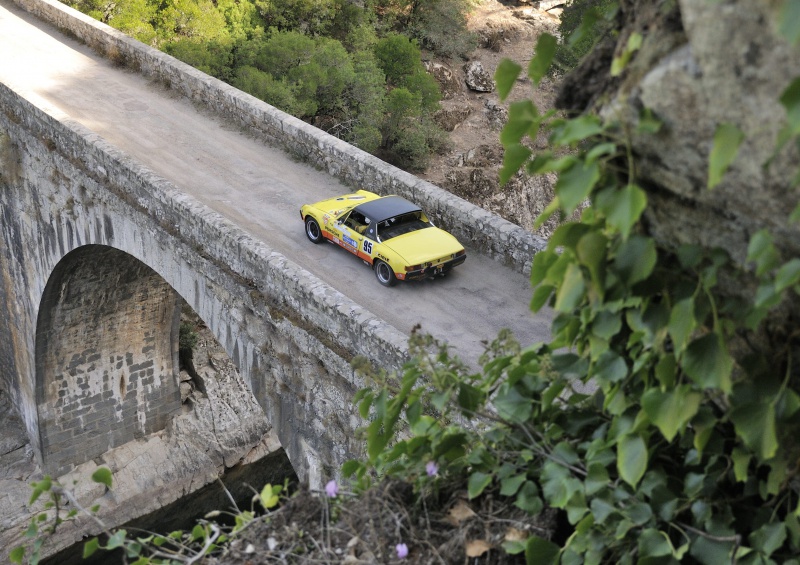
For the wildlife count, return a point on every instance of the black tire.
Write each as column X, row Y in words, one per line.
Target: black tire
column 384, row 273
column 313, row 230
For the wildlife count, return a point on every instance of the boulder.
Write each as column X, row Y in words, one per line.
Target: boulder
column 449, row 84
column 477, row 78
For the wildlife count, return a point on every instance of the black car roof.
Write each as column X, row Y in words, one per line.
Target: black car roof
column 386, row 207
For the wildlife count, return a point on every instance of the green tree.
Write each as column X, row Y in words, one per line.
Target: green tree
column 312, row 17
column 135, row 17
column 365, row 104
column 276, row 91
column 409, row 135
column 441, row 26
column 212, row 57
column 241, row 18
column 191, row 19
column 399, row 58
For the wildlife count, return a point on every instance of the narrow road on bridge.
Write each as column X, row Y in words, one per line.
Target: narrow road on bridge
column 256, row 186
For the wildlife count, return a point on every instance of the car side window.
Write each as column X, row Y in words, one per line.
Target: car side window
column 357, row 221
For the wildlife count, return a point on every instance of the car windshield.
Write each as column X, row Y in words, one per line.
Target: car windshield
column 387, row 229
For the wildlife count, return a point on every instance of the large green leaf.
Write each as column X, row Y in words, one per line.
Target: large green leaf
column 513, row 158
column 708, row 363
column 513, row 406
column 755, row 424
column 769, row 538
column 523, row 119
column 610, row 368
column 635, row 259
column 670, row 411
column 789, row 20
column 606, row 324
column 541, row 296
column 477, row 483
column 539, row 551
column 578, row 129
column 575, row 184
column 741, row 464
column 682, row 323
column 654, row 543
column 632, row 458
column 761, row 250
column 727, row 140
column 596, row 478
column 505, row 76
column 17, row 554
column 788, row 275
column 542, row 262
column 572, row 289
column 633, row 45
column 544, row 52
column 622, row 207
column 528, row 498
column 591, row 252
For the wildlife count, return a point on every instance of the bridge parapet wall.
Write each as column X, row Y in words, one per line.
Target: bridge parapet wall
column 478, row 228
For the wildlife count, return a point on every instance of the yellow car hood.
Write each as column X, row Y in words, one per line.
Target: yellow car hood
column 424, row 245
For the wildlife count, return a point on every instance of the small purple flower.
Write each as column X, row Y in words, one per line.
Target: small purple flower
column 332, row 489
column 402, row 550
column 432, row 468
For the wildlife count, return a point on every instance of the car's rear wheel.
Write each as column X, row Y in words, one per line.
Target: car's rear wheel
column 313, row 230
column 384, row 273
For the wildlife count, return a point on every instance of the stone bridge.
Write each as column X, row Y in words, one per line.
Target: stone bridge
column 98, row 254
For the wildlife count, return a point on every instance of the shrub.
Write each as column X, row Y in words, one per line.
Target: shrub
column 212, row 57
column 313, row 17
column 583, row 24
column 196, row 19
column 653, row 420
column 398, row 57
column 441, row 26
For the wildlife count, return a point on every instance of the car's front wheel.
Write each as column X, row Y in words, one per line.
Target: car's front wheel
column 313, row 230
column 384, row 273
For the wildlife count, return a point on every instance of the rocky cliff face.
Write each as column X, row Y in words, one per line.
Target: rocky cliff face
column 702, row 64
column 474, row 115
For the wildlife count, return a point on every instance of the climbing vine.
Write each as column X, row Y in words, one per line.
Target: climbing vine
column 652, row 419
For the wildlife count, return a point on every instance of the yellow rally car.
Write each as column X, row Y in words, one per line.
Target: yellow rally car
column 388, row 232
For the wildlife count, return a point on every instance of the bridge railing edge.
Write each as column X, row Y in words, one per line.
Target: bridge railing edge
column 480, row 229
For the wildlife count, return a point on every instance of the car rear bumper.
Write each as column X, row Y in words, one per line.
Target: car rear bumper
column 434, row 270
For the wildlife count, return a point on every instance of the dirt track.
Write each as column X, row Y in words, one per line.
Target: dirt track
column 256, row 186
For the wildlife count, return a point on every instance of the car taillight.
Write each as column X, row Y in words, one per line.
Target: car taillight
column 462, row 252
column 413, row 267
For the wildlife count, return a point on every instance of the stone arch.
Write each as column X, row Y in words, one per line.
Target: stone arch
column 106, row 355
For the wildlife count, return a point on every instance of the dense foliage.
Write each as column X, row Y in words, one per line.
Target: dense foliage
column 354, row 71
column 654, row 419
